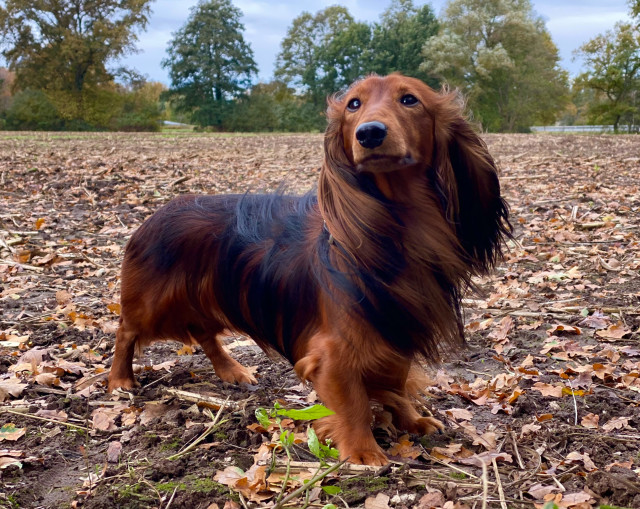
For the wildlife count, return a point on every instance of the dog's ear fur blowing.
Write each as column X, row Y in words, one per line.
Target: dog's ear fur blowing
column 467, row 177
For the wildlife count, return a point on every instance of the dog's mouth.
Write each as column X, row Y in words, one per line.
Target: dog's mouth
column 385, row 162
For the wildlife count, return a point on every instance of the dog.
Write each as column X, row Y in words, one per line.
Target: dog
column 351, row 283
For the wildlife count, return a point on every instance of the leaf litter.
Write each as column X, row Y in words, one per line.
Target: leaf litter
column 542, row 407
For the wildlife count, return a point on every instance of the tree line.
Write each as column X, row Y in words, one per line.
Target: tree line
column 499, row 53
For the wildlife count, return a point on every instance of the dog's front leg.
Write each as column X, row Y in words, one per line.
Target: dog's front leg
column 330, row 366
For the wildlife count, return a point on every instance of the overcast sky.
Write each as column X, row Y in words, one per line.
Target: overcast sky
column 570, row 22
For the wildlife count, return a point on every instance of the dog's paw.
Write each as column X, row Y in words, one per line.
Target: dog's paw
column 375, row 457
column 427, row 426
column 123, row 383
column 235, row 373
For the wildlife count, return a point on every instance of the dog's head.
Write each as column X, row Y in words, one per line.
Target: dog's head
column 395, row 123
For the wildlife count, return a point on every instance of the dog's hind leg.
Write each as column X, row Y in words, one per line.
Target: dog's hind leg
column 121, row 374
column 225, row 366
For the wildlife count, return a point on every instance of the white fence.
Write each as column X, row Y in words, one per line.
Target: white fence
column 583, row 128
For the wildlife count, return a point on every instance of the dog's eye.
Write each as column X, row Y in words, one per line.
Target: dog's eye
column 409, row 100
column 354, row 104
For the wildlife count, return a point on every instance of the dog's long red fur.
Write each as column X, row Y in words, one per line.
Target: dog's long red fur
column 351, row 285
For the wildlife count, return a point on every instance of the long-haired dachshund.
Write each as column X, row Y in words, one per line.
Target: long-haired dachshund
column 351, row 283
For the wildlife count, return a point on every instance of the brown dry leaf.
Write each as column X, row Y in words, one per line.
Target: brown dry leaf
column 185, row 350
column 167, row 365
column 567, row 329
column 584, row 458
column 32, row 358
column 263, row 454
column 113, row 452
column 501, row 332
column 54, row 415
column 104, row 419
column 115, row 308
column 11, row 388
column 256, row 427
column 8, row 458
column 616, row 423
column 544, row 417
column 431, row 500
column 151, row 411
column 529, row 428
column 458, row 414
column 539, row 490
column 454, row 452
column 603, row 370
column 580, row 499
column 380, row 501
column 615, row 331
column 597, row 320
column 622, row 464
column 405, row 448
column 590, row 421
column 252, row 483
column 108, row 326
column 47, row 379
column 10, row 432
column 485, row 458
column 554, row 391
column 63, row 297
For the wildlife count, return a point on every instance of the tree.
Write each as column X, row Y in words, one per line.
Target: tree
column 612, row 62
column 209, row 62
column 63, row 47
column 323, row 53
column 503, row 58
column 399, row 37
column 6, row 84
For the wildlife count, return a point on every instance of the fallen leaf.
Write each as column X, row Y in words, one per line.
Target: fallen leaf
column 63, row 297
column 431, row 500
column 567, row 329
column 615, row 331
column 584, row 458
column 11, row 433
column 486, row 458
column 47, row 379
column 590, row 421
column 9, row 388
column 554, row 391
column 104, row 419
column 458, row 414
column 381, row 501
column 404, row 448
column 597, row 320
column 621, row 464
column 54, row 415
column 616, row 423
column 113, row 452
column 539, row 490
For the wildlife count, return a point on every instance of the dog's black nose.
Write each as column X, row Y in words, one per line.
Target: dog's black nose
column 371, row 134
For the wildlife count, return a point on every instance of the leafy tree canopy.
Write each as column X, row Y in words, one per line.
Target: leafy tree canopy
column 397, row 40
column 209, row 62
column 323, row 53
column 503, row 58
column 66, row 45
column 612, row 62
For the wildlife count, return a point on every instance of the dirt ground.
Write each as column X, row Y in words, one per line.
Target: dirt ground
column 542, row 408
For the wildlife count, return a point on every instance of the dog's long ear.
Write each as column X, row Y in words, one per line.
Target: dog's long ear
column 334, row 149
column 467, row 178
